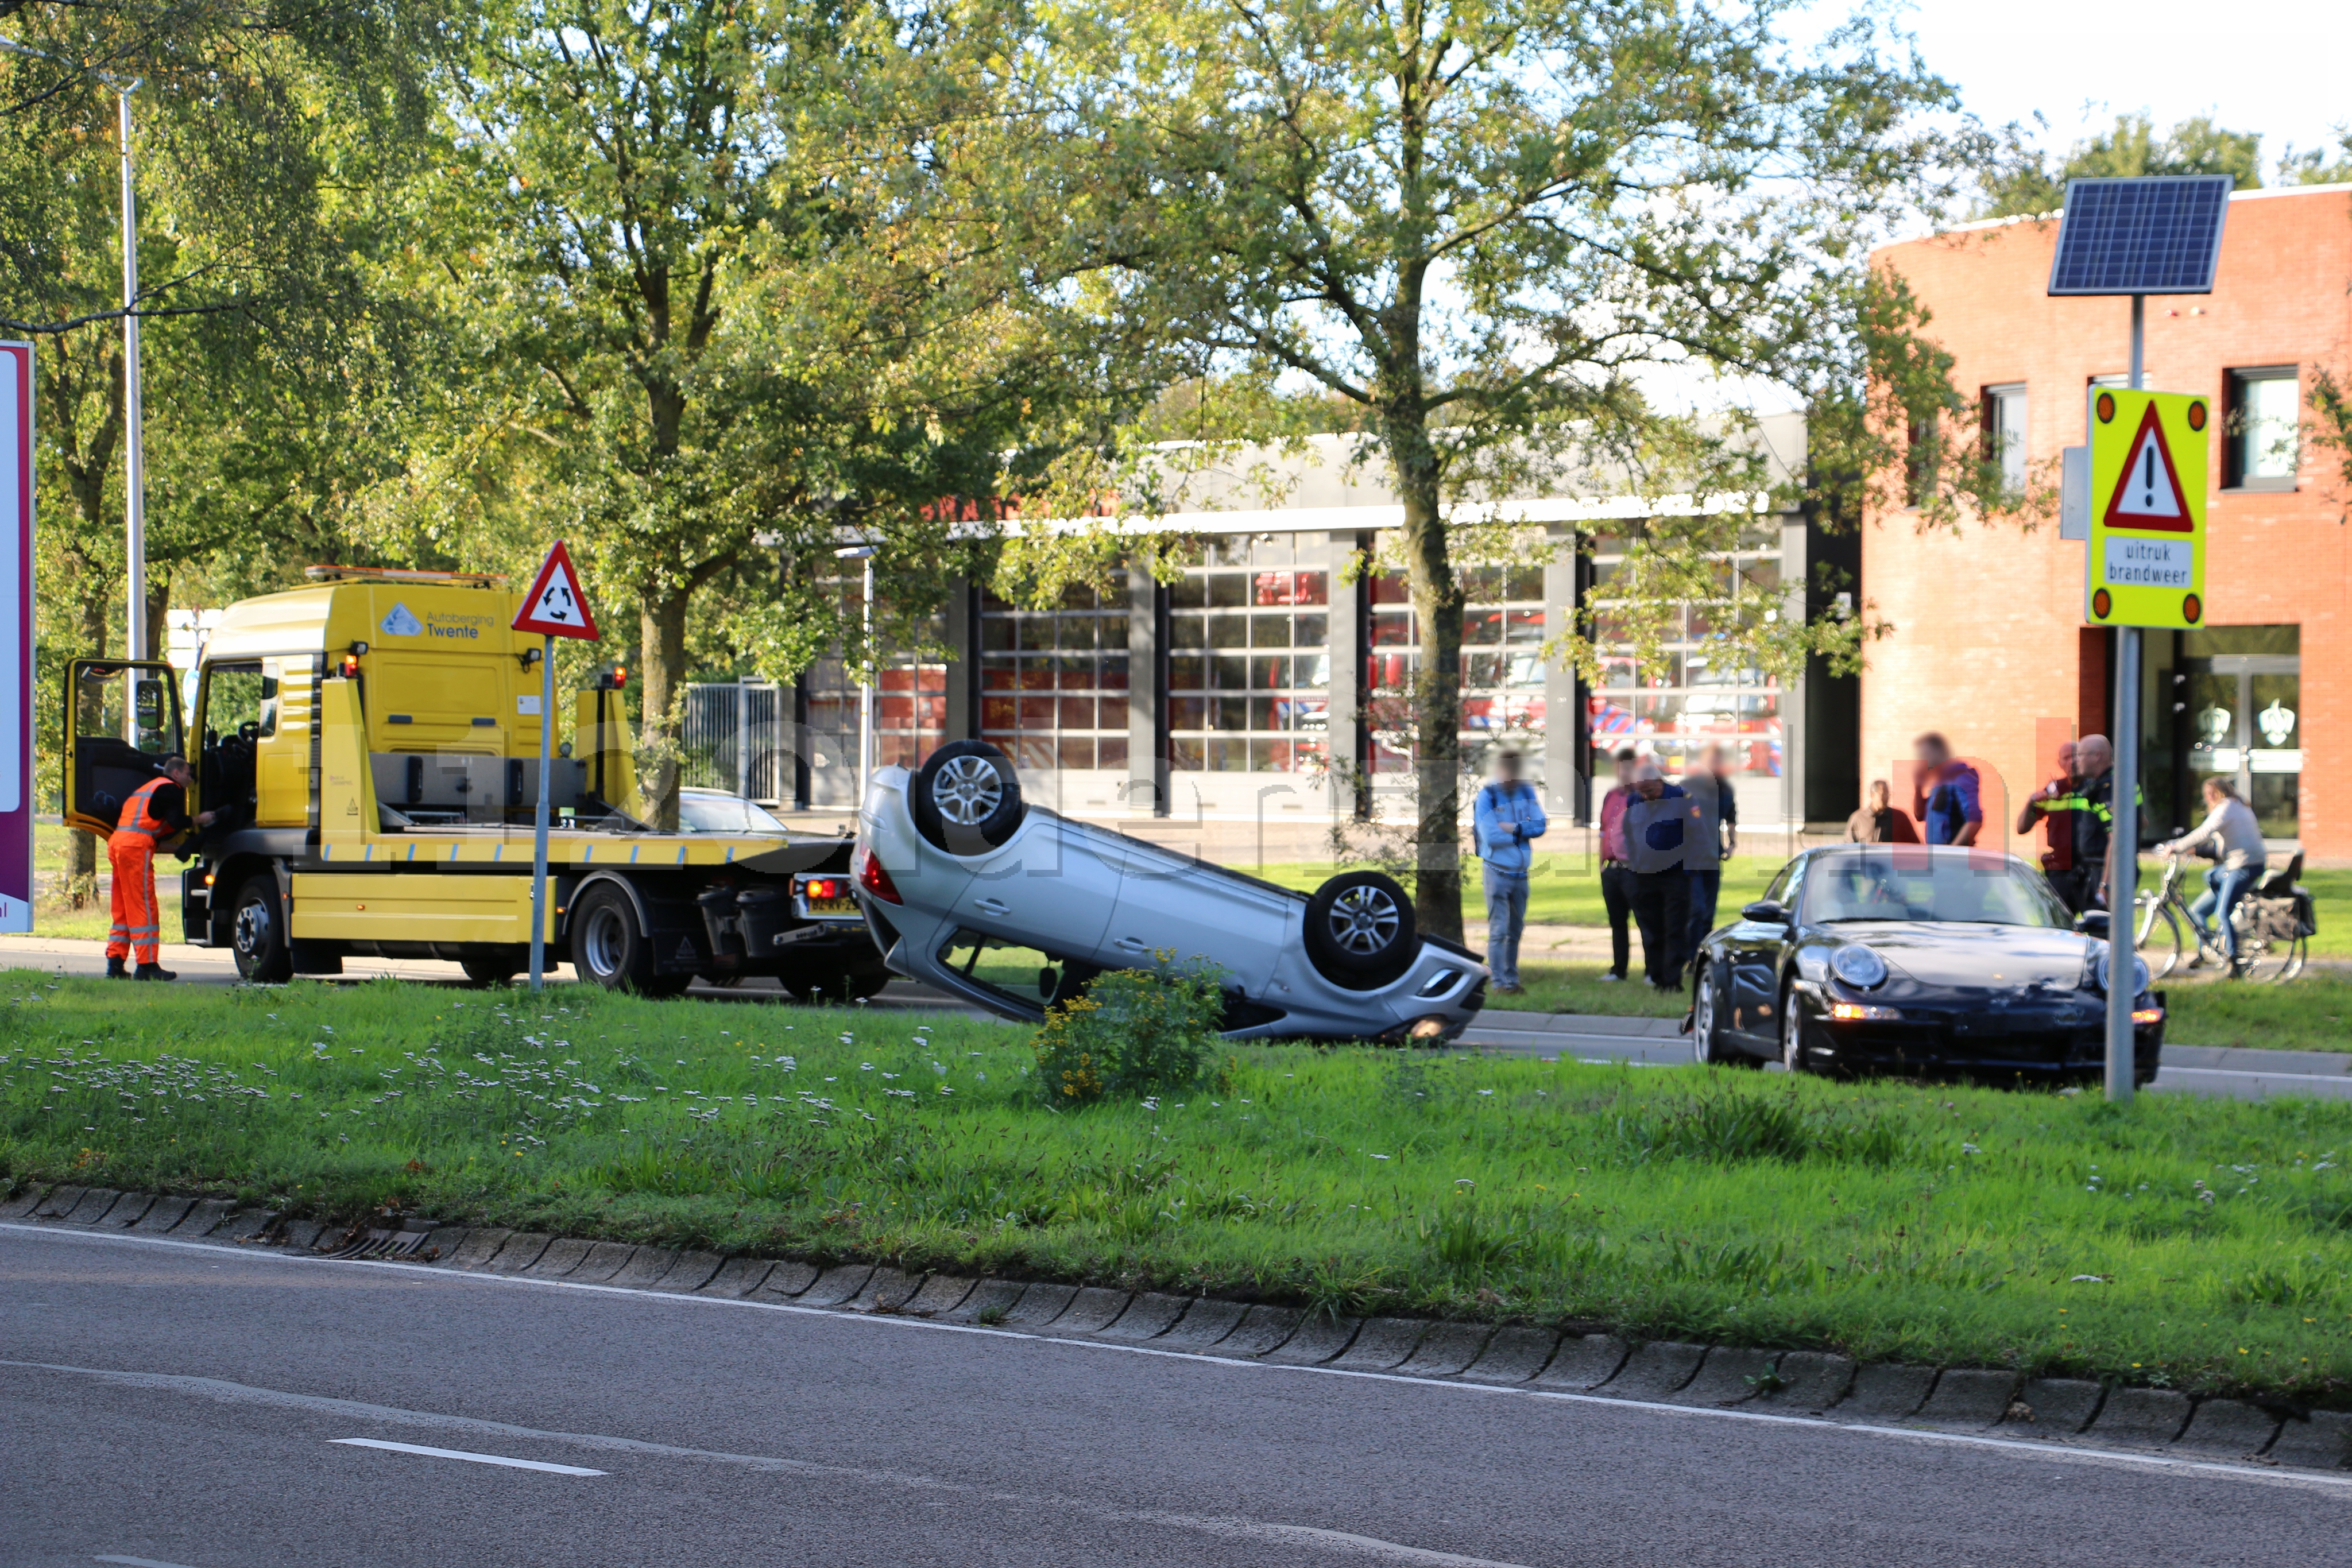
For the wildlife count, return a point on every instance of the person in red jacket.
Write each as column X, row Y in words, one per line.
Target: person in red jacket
column 157, row 810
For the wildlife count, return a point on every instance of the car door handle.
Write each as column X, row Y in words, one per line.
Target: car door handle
column 992, row 907
column 1129, row 945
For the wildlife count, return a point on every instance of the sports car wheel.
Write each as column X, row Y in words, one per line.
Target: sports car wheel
column 1708, row 1043
column 967, row 799
column 1359, row 931
column 1792, row 1033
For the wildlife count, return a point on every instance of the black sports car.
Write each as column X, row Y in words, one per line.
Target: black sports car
column 1901, row 958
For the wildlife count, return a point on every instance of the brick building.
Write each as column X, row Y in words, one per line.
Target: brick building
column 1989, row 646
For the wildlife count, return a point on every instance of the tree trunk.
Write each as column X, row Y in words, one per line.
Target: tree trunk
column 1437, row 686
column 158, row 609
column 661, row 635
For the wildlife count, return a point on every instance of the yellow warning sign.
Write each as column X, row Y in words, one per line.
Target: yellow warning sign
column 2147, row 564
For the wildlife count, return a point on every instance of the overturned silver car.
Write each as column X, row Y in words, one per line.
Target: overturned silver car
column 954, row 872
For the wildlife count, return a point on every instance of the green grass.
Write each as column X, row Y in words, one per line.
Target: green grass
column 1578, row 989
column 1934, row 1225
column 2311, row 1013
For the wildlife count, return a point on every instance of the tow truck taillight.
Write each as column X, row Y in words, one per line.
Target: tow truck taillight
column 874, row 880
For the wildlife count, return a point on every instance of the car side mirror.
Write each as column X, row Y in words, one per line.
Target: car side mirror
column 1766, row 911
column 2093, row 923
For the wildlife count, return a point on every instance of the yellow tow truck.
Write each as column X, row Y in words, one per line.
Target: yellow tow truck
column 372, row 742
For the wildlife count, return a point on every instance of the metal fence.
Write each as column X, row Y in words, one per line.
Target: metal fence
column 738, row 737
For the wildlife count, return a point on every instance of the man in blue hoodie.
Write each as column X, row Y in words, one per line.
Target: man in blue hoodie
column 1508, row 814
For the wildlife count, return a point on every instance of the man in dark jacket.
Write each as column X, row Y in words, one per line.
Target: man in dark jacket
column 1653, row 836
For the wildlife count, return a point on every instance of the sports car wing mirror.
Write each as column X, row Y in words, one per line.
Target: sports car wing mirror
column 1766, row 911
column 2091, row 923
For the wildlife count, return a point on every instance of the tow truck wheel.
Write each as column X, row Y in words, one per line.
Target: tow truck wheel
column 492, row 970
column 607, row 944
column 257, row 934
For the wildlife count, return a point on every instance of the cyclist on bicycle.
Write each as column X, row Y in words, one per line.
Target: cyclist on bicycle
column 2229, row 834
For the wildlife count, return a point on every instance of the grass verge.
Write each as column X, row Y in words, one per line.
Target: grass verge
column 2202, row 1244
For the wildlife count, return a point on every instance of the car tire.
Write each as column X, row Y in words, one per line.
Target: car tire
column 1708, row 1043
column 967, row 799
column 1792, row 1033
column 1359, row 931
column 609, row 945
column 257, row 934
column 488, row 969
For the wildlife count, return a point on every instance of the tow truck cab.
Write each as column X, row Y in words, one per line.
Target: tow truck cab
column 370, row 744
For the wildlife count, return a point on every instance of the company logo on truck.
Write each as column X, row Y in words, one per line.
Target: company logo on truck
column 403, row 622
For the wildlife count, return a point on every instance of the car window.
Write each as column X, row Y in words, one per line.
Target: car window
column 1908, row 883
column 1780, row 883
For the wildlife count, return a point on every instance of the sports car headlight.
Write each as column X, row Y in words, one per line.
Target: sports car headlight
column 2140, row 972
column 1858, row 967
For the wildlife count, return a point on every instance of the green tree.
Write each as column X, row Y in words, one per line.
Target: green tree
column 2026, row 182
column 2319, row 165
column 1489, row 227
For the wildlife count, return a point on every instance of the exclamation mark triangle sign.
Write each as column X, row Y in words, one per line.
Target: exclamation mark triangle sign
column 2148, row 495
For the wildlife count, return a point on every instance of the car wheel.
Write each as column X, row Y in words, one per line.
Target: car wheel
column 1792, row 1033
column 608, row 946
column 1359, row 931
column 257, row 934
column 1708, row 1043
column 967, row 797
column 494, row 969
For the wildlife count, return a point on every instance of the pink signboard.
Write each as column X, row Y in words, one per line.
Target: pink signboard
column 15, row 636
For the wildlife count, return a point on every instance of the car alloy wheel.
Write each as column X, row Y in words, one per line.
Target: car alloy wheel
column 967, row 791
column 1703, row 1025
column 1364, row 921
column 1793, row 1034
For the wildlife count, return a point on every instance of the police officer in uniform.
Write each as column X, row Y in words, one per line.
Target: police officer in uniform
column 157, row 810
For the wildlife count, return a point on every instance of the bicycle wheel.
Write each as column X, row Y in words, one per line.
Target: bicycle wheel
column 2273, row 959
column 2158, row 936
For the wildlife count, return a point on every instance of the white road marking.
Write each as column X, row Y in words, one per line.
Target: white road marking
column 466, row 1455
column 2049, row 1449
column 1228, row 1528
column 139, row 1562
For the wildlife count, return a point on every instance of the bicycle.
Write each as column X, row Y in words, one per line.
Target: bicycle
column 2271, row 942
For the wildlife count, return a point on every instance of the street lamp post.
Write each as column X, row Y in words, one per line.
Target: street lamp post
column 134, row 478
column 864, row 555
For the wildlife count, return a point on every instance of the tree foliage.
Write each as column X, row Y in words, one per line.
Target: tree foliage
column 2027, row 181
column 1494, row 228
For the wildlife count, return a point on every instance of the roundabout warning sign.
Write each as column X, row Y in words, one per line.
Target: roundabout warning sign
column 2145, row 566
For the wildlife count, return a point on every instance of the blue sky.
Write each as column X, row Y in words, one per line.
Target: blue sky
column 2277, row 67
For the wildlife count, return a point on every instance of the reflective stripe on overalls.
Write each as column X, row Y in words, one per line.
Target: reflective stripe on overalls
column 131, row 849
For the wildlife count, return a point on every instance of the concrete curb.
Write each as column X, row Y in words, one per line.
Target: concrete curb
column 2053, row 1409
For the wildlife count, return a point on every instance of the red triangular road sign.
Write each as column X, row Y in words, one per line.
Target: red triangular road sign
column 2148, row 496
column 555, row 607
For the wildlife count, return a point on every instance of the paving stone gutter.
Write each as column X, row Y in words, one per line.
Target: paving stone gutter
column 1980, row 1400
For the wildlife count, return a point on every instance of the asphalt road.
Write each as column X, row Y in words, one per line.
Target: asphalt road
column 2233, row 1074
column 197, row 1406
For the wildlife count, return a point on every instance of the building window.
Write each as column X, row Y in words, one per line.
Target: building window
column 1503, row 630
column 1688, row 695
column 2261, row 429
column 2004, row 436
column 1249, row 660
column 1054, row 683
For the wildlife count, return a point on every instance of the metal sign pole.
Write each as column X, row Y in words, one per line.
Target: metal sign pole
column 538, row 830
column 2123, row 838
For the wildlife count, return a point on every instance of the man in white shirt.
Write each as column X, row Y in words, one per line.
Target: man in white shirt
column 2231, row 836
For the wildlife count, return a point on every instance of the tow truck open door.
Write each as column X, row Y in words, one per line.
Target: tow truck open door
column 122, row 719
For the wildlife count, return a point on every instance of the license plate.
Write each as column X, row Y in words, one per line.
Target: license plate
column 832, row 905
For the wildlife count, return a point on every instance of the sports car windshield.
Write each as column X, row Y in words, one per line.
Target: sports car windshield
column 1901, row 882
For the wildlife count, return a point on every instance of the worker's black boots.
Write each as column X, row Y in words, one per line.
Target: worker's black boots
column 115, row 969
column 155, row 972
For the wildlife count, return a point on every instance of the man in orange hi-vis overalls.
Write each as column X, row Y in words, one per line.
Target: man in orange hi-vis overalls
column 156, row 810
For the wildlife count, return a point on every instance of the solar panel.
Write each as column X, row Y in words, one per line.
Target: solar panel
column 2161, row 234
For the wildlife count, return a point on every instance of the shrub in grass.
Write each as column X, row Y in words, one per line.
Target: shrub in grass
column 1132, row 1033
column 1725, row 1127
